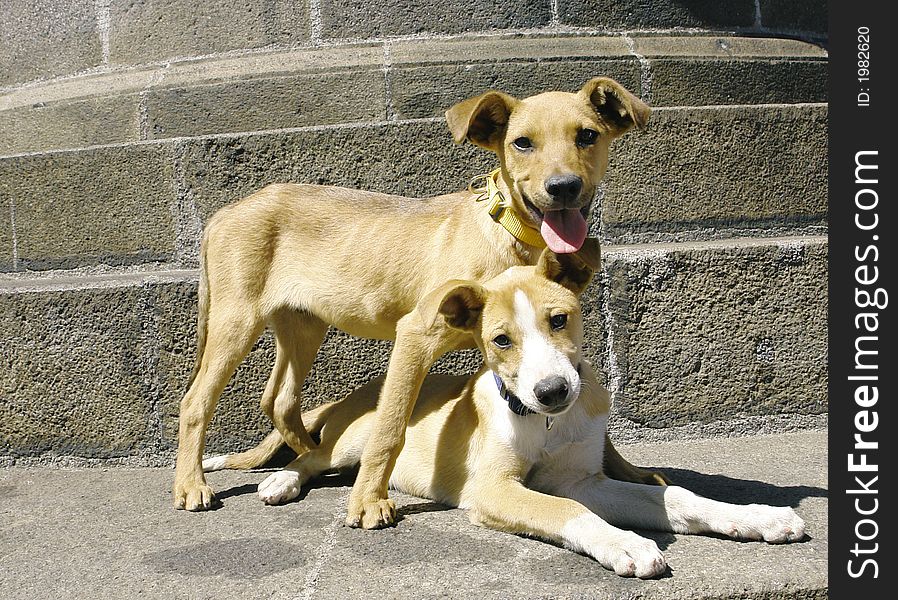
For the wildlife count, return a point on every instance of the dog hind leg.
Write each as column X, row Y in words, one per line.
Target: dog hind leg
column 298, row 336
column 283, row 486
column 230, row 334
column 249, row 459
column 617, row 467
column 677, row 509
column 344, row 427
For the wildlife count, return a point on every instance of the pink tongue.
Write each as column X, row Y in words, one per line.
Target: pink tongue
column 563, row 230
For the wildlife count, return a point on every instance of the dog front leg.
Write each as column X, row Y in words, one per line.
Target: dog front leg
column 416, row 348
column 677, row 509
column 509, row 506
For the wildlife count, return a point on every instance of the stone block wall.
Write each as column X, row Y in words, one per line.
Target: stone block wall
column 125, row 124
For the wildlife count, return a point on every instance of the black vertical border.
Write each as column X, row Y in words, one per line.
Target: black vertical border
column 852, row 129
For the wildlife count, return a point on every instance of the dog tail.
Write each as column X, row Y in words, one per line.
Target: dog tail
column 202, row 306
column 267, row 448
column 250, row 459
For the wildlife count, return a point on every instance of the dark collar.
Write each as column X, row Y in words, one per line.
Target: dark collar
column 514, row 403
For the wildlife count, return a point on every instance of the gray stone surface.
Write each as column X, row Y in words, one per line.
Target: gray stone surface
column 593, row 304
column 766, row 168
column 642, row 14
column 393, row 158
column 380, row 18
column 803, row 16
column 270, row 103
column 696, row 82
column 111, row 533
column 718, row 332
column 114, row 205
column 41, row 40
column 501, row 48
column 698, row 333
column 7, row 241
column 427, row 91
column 739, row 181
column 725, row 46
column 302, row 87
column 699, row 168
column 76, row 376
column 156, row 30
column 213, row 95
column 70, row 124
column 104, row 205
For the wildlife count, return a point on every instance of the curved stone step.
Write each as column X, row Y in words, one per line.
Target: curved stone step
column 694, row 338
column 396, row 80
column 44, row 42
column 696, row 172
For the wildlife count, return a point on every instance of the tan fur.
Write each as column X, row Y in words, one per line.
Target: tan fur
column 464, row 446
column 297, row 258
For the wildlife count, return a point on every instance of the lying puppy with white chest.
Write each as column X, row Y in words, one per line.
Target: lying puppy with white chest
column 520, row 443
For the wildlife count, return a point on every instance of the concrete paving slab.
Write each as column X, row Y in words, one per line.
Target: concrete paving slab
column 111, row 533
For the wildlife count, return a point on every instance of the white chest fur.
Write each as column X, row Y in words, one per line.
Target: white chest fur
column 576, row 441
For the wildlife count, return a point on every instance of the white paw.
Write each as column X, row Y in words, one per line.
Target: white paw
column 773, row 524
column 280, row 487
column 629, row 554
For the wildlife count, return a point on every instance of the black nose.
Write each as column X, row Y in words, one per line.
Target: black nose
column 551, row 391
column 564, row 188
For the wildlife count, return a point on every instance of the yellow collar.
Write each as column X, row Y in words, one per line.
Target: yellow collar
column 502, row 211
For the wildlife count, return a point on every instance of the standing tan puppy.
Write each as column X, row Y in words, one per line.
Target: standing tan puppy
column 297, row 258
column 520, row 444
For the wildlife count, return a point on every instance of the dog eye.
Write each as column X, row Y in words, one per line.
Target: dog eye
column 522, row 143
column 502, row 341
column 587, row 137
column 558, row 321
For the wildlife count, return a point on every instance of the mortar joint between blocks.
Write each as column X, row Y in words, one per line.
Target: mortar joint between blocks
column 615, row 376
column 185, row 215
column 315, row 27
column 325, row 549
column 645, row 68
column 143, row 112
column 389, row 109
column 102, row 10
column 12, row 227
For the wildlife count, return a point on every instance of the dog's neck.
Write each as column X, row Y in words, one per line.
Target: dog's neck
column 514, row 403
column 488, row 188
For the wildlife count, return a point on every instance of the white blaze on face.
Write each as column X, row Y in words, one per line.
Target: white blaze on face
column 539, row 357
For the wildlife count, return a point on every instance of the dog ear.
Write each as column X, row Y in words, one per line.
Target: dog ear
column 618, row 107
column 573, row 271
column 481, row 119
column 459, row 302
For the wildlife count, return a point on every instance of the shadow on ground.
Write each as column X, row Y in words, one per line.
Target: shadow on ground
column 742, row 491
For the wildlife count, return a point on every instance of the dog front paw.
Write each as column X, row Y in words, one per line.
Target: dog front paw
column 372, row 514
column 773, row 524
column 194, row 497
column 631, row 555
column 280, row 487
